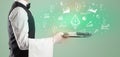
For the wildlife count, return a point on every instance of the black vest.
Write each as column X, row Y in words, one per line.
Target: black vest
column 13, row 46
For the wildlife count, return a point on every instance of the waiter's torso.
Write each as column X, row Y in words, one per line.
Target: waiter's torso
column 14, row 49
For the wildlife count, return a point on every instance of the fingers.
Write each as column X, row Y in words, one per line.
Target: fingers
column 59, row 37
column 65, row 35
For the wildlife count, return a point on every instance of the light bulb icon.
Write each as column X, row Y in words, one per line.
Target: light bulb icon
column 75, row 21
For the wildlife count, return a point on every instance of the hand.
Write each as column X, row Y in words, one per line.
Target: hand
column 60, row 36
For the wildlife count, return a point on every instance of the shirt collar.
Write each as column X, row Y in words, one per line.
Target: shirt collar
column 23, row 2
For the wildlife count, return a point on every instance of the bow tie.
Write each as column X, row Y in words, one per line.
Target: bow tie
column 28, row 5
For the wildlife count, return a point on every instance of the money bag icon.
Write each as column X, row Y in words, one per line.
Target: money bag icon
column 75, row 21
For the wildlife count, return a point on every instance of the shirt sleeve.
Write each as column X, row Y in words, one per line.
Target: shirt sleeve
column 19, row 22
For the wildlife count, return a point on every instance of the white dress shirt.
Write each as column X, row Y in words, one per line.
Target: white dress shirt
column 19, row 21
